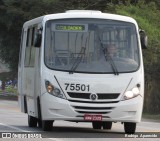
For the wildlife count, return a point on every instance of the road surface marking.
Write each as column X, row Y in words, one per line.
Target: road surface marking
column 150, row 122
column 15, row 128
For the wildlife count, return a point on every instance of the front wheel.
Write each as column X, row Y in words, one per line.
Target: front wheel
column 97, row 125
column 39, row 123
column 107, row 125
column 32, row 121
column 129, row 127
column 47, row 125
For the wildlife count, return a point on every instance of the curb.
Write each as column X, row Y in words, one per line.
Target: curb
column 8, row 96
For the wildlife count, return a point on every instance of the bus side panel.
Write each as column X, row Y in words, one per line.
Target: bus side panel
column 32, row 86
column 21, row 94
column 29, row 88
column 28, row 73
column 37, row 81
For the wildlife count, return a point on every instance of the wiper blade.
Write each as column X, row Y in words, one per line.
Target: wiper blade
column 109, row 58
column 78, row 60
column 81, row 54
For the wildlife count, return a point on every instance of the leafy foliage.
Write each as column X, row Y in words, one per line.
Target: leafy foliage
column 146, row 14
column 13, row 14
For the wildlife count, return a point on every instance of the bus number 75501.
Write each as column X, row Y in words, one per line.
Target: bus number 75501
column 77, row 87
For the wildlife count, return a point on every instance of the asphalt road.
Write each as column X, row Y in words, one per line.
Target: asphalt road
column 14, row 122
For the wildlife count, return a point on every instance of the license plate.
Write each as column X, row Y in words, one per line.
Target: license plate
column 88, row 117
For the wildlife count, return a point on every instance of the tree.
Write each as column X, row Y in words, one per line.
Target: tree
column 13, row 14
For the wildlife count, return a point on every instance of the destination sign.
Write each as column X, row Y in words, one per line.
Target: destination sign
column 70, row 27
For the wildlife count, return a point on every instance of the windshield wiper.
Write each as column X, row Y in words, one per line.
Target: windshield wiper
column 78, row 60
column 81, row 54
column 109, row 58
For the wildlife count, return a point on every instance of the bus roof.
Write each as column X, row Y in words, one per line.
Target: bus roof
column 80, row 14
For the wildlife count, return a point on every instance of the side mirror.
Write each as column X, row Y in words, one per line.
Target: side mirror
column 38, row 38
column 144, row 39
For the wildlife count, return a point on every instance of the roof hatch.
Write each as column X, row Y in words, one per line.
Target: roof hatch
column 83, row 11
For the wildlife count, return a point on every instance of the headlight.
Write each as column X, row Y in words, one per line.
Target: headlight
column 53, row 90
column 131, row 94
column 135, row 91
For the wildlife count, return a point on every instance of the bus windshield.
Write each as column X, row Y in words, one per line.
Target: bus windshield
column 88, row 45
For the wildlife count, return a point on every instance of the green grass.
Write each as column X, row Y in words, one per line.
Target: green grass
column 151, row 116
column 9, row 90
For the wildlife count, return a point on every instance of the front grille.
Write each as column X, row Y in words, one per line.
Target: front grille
column 101, row 96
column 82, row 116
column 92, row 110
column 88, row 112
column 96, row 102
column 79, row 95
column 107, row 96
column 82, row 104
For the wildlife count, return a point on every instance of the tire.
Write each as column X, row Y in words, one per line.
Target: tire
column 39, row 113
column 25, row 105
column 107, row 125
column 32, row 121
column 96, row 125
column 47, row 125
column 39, row 123
column 129, row 127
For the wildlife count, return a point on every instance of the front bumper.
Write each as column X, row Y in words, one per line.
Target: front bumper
column 53, row 108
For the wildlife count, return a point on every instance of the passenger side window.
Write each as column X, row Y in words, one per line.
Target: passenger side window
column 30, row 49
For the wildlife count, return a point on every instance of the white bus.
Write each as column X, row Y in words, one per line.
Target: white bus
column 82, row 66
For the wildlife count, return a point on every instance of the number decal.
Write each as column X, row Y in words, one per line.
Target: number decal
column 66, row 86
column 87, row 87
column 83, row 87
column 72, row 87
column 77, row 87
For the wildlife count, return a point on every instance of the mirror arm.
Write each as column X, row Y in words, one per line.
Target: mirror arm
column 143, row 39
column 38, row 38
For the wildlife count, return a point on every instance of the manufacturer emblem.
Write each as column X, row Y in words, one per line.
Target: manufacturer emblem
column 93, row 96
